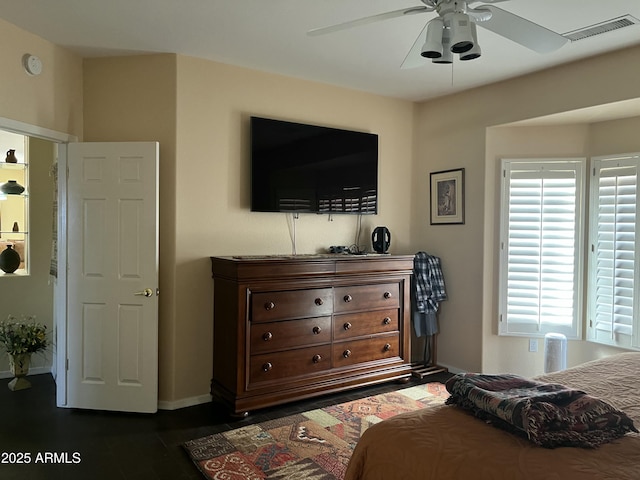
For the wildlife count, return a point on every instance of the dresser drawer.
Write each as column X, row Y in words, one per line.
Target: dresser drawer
column 351, row 325
column 367, row 297
column 365, row 350
column 269, row 306
column 282, row 365
column 272, row 336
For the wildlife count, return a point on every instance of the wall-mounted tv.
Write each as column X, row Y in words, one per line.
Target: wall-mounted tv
column 297, row 167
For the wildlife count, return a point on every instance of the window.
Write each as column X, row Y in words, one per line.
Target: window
column 613, row 268
column 541, row 247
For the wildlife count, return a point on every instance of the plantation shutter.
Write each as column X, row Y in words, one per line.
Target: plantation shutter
column 541, row 235
column 614, row 243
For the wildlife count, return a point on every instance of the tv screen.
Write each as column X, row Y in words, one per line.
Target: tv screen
column 308, row 168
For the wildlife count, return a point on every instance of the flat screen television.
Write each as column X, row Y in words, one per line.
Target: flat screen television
column 297, row 167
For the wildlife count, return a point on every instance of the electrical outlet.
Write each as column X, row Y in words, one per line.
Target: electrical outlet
column 533, row 344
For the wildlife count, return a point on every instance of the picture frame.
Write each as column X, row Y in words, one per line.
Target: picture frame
column 447, row 197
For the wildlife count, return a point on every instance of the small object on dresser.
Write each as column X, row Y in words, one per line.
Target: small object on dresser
column 9, row 260
column 381, row 239
column 12, row 187
column 11, row 157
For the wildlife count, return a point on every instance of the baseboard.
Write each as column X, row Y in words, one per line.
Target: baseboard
column 162, row 404
column 32, row 371
column 184, row 402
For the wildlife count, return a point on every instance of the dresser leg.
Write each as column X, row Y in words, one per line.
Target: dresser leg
column 239, row 416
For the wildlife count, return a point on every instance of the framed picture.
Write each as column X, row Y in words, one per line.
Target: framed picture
column 447, row 197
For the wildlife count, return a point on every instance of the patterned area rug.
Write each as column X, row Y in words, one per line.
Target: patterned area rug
column 312, row 445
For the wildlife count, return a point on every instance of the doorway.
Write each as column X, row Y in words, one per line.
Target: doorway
column 24, row 290
column 28, row 226
column 124, row 362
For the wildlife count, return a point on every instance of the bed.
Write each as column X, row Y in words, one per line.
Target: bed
column 447, row 442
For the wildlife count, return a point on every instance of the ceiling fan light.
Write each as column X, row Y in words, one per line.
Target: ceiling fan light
column 432, row 47
column 472, row 54
column 475, row 51
column 462, row 40
column 447, row 56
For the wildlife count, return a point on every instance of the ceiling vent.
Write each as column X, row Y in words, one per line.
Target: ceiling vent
column 602, row 27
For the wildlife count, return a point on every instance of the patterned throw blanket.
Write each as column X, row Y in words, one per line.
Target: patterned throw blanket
column 550, row 415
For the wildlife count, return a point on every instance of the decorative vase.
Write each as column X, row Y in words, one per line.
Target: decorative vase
column 12, row 187
column 19, row 365
column 11, row 157
column 9, row 260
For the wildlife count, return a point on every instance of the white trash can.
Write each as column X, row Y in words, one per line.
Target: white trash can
column 555, row 352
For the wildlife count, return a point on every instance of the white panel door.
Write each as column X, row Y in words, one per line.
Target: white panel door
column 112, row 276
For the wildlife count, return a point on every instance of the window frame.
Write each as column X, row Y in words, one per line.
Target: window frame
column 598, row 164
column 508, row 166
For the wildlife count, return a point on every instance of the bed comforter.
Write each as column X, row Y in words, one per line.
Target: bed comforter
column 446, row 442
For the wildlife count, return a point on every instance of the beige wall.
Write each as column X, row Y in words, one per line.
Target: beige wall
column 199, row 112
column 615, row 136
column 134, row 99
column 212, row 185
column 451, row 132
column 51, row 100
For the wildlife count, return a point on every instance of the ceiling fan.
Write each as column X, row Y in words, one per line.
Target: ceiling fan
column 453, row 30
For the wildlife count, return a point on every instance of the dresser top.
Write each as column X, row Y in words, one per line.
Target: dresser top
column 314, row 256
column 264, row 266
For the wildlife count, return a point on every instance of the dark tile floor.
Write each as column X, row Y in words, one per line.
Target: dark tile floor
column 56, row 443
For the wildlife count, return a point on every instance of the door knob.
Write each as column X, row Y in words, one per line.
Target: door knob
column 147, row 292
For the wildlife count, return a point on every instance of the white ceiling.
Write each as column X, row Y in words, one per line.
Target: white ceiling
column 270, row 35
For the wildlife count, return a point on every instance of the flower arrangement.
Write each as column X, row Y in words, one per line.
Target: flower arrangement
column 23, row 337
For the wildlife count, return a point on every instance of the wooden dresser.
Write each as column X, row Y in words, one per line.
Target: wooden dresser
column 293, row 327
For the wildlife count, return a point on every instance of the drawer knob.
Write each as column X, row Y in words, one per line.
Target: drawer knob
column 316, row 358
column 317, row 330
column 386, row 320
column 269, row 306
column 347, row 298
column 387, row 295
column 267, row 336
column 267, row 366
column 319, row 301
column 346, row 353
column 387, row 347
column 346, row 326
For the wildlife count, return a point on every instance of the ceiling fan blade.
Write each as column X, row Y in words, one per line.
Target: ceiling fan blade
column 413, row 58
column 522, row 31
column 367, row 20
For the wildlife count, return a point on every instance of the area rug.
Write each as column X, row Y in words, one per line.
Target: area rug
column 312, row 445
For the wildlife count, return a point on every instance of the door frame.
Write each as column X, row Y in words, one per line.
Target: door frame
column 59, row 359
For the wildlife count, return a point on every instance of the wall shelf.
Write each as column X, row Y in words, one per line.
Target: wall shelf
column 14, row 208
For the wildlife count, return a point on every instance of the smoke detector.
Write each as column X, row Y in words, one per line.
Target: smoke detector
column 32, row 64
